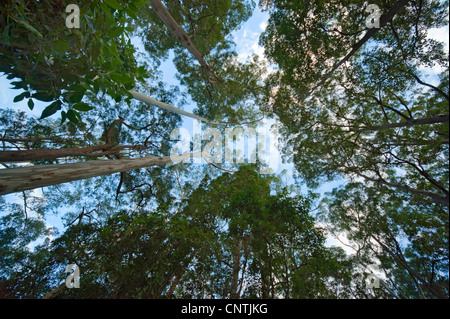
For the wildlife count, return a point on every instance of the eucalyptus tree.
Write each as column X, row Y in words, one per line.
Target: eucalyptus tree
column 239, row 235
column 53, row 61
column 406, row 240
column 96, row 73
column 224, row 89
column 354, row 99
column 263, row 243
column 106, row 49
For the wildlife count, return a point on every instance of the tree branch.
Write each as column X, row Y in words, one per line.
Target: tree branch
column 182, row 36
column 151, row 101
column 443, row 118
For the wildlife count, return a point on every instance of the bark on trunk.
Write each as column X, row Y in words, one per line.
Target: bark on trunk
column 31, row 177
column 236, row 267
column 49, row 154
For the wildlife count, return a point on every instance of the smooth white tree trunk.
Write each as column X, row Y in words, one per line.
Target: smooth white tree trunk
column 151, row 101
column 31, row 177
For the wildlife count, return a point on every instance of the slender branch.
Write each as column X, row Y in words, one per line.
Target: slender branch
column 438, row 90
column 422, row 172
column 216, row 166
column 443, row 118
column 403, row 103
column 438, row 198
column 55, row 291
column 380, row 102
column 151, row 101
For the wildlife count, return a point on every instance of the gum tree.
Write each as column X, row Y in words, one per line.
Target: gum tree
column 109, row 67
column 248, row 244
column 376, row 116
column 407, row 240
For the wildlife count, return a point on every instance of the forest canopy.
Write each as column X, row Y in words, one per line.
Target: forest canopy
column 119, row 169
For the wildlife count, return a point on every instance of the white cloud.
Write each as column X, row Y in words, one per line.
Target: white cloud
column 247, row 44
column 247, row 37
column 440, row 34
column 263, row 25
column 430, row 73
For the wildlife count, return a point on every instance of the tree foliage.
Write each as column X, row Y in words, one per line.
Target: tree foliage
column 248, row 244
column 38, row 50
column 358, row 119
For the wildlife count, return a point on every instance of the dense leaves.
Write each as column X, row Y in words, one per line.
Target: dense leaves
column 358, row 119
column 53, row 62
column 247, row 244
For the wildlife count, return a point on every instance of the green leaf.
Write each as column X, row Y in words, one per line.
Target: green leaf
column 115, row 32
column 116, row 77
column 21, row 96
column 120, row 78
column 18, row 85
column 131, row 13
column 79, row 88
column 29, row 27
column 75, row 97
column 82, row 107
column 30, row 104
column 43, row 96
column 60, row 45
column 51, row 109
column 63, row 116
column 5, row 36
column 96, row 86
column 73, row 116
column 113, row 4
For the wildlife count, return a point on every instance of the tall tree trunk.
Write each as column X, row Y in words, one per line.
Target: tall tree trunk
column 181, row 35
column 49, row 154
column 31, row 177
column 265, row 272
column 234, row 294
column 177, row 279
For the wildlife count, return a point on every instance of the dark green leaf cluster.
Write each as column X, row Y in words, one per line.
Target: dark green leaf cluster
column 54, row 63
